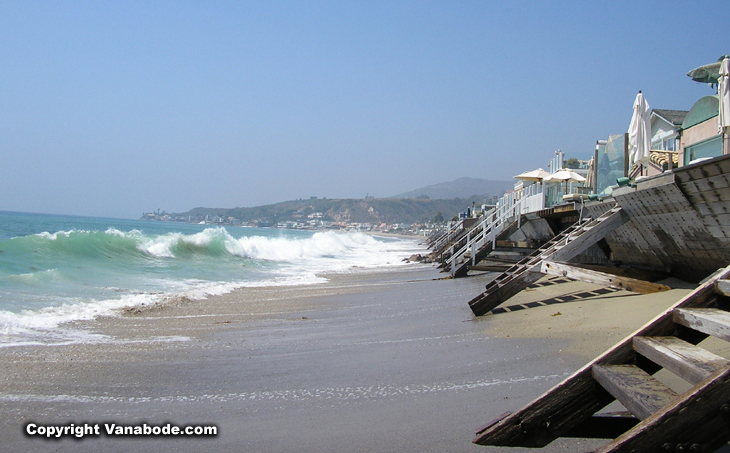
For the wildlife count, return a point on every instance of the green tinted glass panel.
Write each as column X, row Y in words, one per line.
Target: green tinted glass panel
column 707, row 148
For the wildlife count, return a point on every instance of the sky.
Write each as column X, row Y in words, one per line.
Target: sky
column 118, row 108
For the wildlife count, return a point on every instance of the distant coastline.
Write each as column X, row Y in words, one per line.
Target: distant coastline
column 411, row 216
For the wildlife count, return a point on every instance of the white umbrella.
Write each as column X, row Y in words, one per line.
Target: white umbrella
column 534, row 175
column 565, row 175
column 723, row 92
column 640, row 132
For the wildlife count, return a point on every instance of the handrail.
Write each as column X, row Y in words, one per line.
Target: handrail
column 505, row 212
column 508, row 206
column 448, row 235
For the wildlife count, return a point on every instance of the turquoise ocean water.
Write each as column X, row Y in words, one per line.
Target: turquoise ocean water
column 55, row 269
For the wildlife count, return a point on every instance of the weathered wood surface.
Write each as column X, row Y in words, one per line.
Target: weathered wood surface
column 723, row 287
column 699, row 420
column 690, row 362
column 601, row 278
column 577, row 398
column 707, row 320
column 589, row 235
column 487, row 301
column 633, row 387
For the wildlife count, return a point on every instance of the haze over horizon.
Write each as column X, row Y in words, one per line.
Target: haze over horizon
column 112, row 109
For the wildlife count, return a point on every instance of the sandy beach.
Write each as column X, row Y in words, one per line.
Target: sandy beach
column 370, row 361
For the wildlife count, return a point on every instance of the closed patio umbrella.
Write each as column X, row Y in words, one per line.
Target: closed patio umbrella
column 640, row 132
column 723, row 92
column 591, row 170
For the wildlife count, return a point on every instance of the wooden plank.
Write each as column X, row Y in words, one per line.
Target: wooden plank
column 640, row 393
column 699, row 420
column 723, row 287
column 707, row 320
column 578, row 397
column 691, row 363
column 601, row 278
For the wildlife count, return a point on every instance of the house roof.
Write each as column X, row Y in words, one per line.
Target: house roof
column 675, row 117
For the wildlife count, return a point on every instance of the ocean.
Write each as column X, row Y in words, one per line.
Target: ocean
column 56, row 269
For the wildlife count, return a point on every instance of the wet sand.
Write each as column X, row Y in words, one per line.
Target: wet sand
column 373, row 361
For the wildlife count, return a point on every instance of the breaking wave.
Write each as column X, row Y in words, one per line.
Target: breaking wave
column 49, row 279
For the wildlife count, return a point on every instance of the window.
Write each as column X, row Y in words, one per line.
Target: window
column 712, row 147
column 665, row 144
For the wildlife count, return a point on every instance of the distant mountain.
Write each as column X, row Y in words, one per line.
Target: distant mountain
column 461, row 188
column 439, row 200
column 369, row 210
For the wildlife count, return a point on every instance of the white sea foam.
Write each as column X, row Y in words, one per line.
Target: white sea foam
column 223, row 263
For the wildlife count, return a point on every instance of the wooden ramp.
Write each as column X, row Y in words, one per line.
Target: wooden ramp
column 569, row 243
column 662, row 420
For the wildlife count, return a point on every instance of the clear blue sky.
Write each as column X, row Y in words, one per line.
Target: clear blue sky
column 115, row 108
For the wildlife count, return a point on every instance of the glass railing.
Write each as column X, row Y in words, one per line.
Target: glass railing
column 611, row 162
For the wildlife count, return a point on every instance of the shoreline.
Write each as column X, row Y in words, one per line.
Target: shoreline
column 374, row 360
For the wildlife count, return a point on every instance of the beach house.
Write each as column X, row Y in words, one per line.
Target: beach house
column 700, row 138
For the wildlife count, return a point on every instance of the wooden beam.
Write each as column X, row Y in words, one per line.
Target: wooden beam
column 601, row 278
column 690, row 362
column 640, row 393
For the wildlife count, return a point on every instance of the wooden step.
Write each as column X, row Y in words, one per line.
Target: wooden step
column 640, row 393
column 706, row 320
column 722, row 287
column 690, row 362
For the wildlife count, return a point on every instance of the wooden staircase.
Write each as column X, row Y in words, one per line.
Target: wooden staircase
column 564, row 246
column 661, row 420
column 480, row 243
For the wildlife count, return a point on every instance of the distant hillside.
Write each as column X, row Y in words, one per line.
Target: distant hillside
column 369, row 210
column 461, row 188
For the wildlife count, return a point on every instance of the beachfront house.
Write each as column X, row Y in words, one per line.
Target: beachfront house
column 700, row 138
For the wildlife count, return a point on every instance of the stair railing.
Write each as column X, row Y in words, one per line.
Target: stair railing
column 509, row 206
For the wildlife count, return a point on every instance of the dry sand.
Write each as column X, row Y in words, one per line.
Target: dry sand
column 372, row 361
